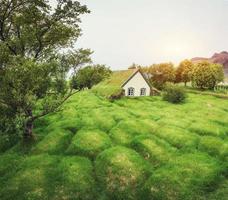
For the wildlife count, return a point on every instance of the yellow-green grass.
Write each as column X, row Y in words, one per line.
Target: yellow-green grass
column 89, row 143
column 155, row 150
column 214, row 146
column 140, row 148
column 54, row 143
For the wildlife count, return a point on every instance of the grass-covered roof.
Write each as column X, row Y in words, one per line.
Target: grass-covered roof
column 112, row 85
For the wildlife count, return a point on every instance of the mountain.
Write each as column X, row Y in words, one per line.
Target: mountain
column 221, row 58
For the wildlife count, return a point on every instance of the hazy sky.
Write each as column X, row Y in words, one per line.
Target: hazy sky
column 121, row 32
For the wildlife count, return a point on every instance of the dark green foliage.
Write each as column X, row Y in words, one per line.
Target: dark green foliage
column 89, row 76
column 174, row 94
column 33, row 69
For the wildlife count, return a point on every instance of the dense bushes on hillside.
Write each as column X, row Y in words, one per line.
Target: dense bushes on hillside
column 174, row 94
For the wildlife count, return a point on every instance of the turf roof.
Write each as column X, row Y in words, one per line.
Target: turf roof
column 112, row 85
column 119, row 77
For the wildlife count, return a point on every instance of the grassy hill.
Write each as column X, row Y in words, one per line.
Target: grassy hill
column 142, row 148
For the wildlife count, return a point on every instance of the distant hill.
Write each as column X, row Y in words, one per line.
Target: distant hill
column 221, row 58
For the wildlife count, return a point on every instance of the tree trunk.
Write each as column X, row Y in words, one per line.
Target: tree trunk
column 185, row 84
column 28, row 132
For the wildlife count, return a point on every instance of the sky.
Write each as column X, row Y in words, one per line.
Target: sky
column 122, row 32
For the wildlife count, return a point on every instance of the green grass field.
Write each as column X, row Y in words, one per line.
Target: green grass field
column 129, row 149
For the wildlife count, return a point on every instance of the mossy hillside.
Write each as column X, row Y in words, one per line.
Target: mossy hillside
column 158, row 142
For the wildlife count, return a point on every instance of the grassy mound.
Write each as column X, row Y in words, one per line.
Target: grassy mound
column 126, row 130
column 70, row 178
column 89, row 143
column 179, row 138
column 76, row 180
column 214, row 146
column 55, row 142
column 155, row 150
column 205, row 127
column 121, row 173
column 185, row 178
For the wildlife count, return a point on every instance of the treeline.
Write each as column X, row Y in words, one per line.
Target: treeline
column 202, row 75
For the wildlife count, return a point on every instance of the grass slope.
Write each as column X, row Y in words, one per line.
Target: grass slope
column 142, row 148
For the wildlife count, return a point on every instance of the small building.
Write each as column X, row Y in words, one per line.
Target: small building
column 131, row 83
column 136, row 84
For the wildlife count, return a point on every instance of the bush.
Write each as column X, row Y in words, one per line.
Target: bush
column 174, row 94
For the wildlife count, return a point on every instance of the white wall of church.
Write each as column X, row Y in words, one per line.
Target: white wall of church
column 137, row 82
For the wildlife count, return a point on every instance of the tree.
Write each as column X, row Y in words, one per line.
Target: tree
column 90, row 76
column 33, row 72
column 207, row 75
column 183, row 72
column 161, row 73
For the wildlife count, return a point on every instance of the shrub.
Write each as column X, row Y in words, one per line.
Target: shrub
column 174, row 94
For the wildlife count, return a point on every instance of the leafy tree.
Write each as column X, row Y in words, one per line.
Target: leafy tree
column 33, row 72
column 183, row 72
column 207, row 75
column 90, row 76
column 161, row 74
